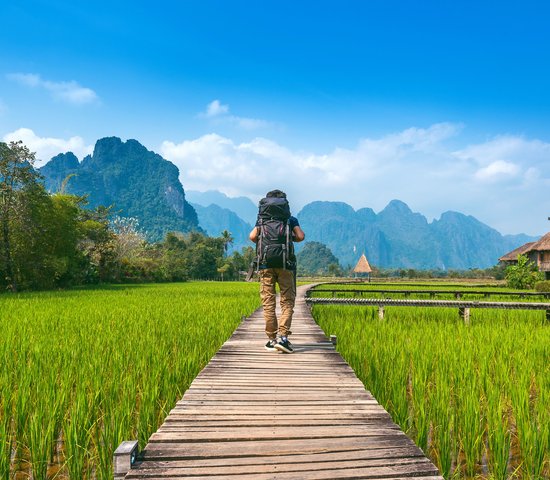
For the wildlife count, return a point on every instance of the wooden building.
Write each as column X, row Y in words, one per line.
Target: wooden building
column 537, row 252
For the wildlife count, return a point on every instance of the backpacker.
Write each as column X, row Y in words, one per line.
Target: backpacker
column 274, row 248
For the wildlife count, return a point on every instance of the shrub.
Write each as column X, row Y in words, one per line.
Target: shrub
column 523, row 275
column 543, row 286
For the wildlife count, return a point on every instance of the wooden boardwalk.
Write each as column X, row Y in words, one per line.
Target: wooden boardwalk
column 254, row 414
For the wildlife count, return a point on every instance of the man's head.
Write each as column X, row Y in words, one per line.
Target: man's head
column 276, row 194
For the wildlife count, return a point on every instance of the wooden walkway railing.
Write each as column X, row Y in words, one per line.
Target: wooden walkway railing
column 254, row 414
column 463, row 306
column 432, row 293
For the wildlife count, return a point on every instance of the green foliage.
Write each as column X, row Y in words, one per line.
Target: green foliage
column 317, row 259
column 17, row 183
column 56, row 240
column 543, row 286
column 523, row 275
column 97, row 366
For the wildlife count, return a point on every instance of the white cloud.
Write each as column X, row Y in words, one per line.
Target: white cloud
column 47, row 147
column 218, row 113
column 507, row 156
column 497, row 181
column 213, row 161
column 497, row 170
column 215, row 108
column 69, row 92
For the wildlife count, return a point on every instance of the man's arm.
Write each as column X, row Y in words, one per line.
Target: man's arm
column 298, row 234
column 254, row 233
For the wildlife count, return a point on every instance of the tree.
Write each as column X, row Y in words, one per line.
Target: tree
column 16, row 175
column 98, row 244
column 174, row 262
column 523, row 275
column 315, row 259
column 334, row 270
column 227, row 240
column 129, row 238
column 226, row 267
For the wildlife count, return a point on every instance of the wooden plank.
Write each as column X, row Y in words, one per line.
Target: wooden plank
column 374, row 454
column 277, row 468
column 255, row 414
column 331, row 473
column 274, row 448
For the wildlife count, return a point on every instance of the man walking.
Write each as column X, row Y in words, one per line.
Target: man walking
column 274, row 234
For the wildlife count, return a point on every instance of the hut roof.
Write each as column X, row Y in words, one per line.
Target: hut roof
column 542, row 244
column 513, row 255
column 362, row 265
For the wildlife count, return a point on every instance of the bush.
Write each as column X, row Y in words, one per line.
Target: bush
column 543, row 286
column 523, row 275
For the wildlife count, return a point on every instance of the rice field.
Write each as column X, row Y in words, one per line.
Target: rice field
column 82, row 370
column 475, row 398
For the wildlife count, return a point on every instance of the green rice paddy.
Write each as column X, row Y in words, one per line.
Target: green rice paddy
column 83, row 370
column 475, row 398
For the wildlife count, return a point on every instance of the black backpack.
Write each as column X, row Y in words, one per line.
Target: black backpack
column 275, row 248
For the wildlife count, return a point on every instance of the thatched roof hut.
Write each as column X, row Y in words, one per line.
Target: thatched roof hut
column 513, row 255
column 362, row 265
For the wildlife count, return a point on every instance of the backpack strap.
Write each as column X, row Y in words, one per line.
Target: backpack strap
column 286, row 252
column 259, row 247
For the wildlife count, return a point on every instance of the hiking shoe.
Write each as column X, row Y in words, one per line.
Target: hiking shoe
column 283, row 345
column 270, row 346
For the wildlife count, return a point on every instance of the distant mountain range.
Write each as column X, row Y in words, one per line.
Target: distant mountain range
column 242, row 206
column 140, row 183
column 215, row 219
column 399, row 238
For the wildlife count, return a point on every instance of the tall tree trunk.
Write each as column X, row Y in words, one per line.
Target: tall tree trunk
column 8, row 261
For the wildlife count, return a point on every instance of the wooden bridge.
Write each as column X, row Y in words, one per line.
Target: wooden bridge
column 254, row 414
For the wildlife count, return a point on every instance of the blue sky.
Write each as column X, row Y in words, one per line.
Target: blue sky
column 441, row 104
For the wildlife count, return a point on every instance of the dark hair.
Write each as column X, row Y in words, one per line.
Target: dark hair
column 275, row 194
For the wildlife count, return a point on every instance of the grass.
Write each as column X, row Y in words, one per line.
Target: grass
column 84, row 369
column 475, row 398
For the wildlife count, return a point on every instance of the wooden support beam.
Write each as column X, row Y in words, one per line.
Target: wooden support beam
column 381, row 312
column 124, row 457
column 464, row 313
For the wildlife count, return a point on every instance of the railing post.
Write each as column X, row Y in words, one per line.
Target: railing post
column 333, row 339
column 124, row 457
column 464, row 313
column 381, row 312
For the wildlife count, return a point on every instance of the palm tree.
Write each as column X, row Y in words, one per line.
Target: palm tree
column 227, row 239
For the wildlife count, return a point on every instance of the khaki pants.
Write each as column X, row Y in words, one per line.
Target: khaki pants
column 287, row 284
